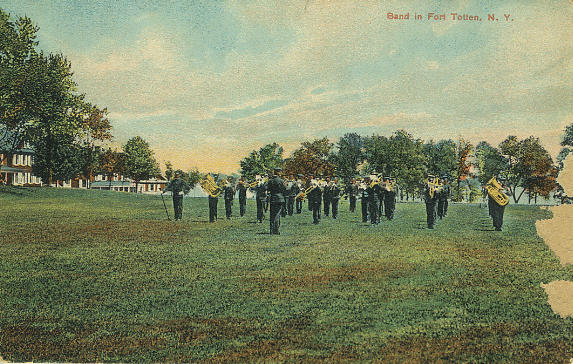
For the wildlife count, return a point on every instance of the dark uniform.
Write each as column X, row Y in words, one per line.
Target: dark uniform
column 431, row 207
column 242, row 188
column 496, row 211
column 213, row 201
column 299, row 186
column 261, row 196
column 276, row 189
column 374, row 195
column 229, row 196
column 352, row 192
column 178, row 189
column 334, row 198
column 389, row 200
column 314, row 202
column 292, row 191
column 443, row 200
column 364, row 199
column 327, row 197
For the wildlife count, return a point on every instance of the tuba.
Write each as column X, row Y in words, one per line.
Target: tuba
column 433, row 186
column 494, row 190
column 210, row 186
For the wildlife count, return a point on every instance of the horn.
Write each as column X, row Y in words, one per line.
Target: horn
column 210, row 186
column 494, row 190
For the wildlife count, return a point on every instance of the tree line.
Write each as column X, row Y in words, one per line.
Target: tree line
column 524, row 165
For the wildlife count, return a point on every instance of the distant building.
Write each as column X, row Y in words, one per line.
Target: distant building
column 16, row 165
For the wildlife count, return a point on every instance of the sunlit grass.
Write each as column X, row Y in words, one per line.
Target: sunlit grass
column 103, row 276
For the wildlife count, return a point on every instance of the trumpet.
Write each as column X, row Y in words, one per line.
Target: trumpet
column 494, row 190
column 210, row 186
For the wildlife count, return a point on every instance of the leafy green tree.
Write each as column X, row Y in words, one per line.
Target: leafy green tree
column 527, row 161
column 60, row 113
column 95, row 130
column 489, row 161
column 139, row 161
column 169, row 170
column 441, row 157
column 18, row 78
column 311, row 158
column 401, row 156
column 349, row 155
column 65, row 162
column 262, row 161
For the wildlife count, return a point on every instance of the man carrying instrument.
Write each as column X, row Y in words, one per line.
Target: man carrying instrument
column 242, row 187
column 178, row 189
column 443, row 197
column 374, row 195
column 389, row 198
column 299, row 187
column 431, row 192
column 352, row 193
column 334, row 197
column 292, row 192
column 326, row 186
column 314, row 200
column 364, row 198
column 213, row 201
column 229, row 196
column 261, row 197
column 497, row 200
column 276, row 188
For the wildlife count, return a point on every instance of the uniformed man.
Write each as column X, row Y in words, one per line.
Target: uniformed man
column 326, row 195
column 431, row 198
column 178, row 189
column 229, row 196
column 364, row 198
column 443, row 198
column 389, row 198
column 276, row 189
column 335, row 197
column 292, row 191
column 374, row 195
column 242, row 187
column 314, row 201
column 496, row 209
column 213, row 201
column 352, row 193
column 261, row 197
column 298, row 188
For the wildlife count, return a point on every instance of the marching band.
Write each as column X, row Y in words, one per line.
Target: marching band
column 377, row 194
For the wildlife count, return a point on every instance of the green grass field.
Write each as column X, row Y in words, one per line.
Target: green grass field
column 98, row 276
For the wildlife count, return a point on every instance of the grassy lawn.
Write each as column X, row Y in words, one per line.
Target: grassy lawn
column 98, row 276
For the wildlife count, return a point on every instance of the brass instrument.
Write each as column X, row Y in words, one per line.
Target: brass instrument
column 433, row 186
column 253, row 184
column 388, row 186
column 302, row 195
column 210, row 186
column 494, row 190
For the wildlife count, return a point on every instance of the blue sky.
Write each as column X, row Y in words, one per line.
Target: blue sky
column 206, row 82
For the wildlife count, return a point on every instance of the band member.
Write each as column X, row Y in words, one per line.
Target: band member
column 276, row 189
column 229, row 196
column 261, row 197
column 292, row 192
column 335, row 197
column 298, row 188
column 389, row 198
column 364, row 198
column 431, row 192
column 443, row 198
column 213, row 201
column 178, row 189
column 326, row 195
column 352, row 192
column 242, row 187
column 314, row 201
column 374, row 194
column 497, row 206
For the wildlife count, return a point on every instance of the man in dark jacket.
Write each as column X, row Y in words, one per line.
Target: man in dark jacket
column 229, row 196
column 178, row 189
column 242, row 187
column 276, row 189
